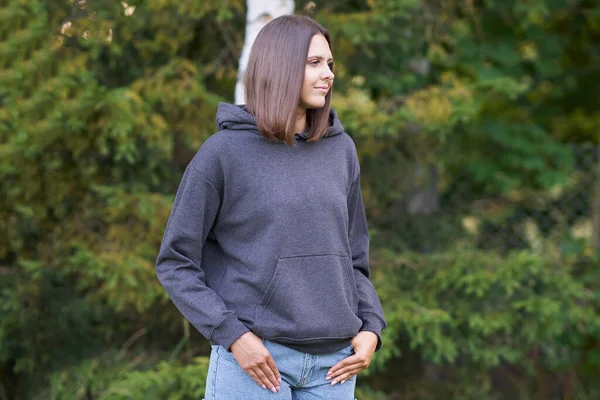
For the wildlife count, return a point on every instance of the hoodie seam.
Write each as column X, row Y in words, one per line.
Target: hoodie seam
column 378, row 317
column 311, row 339
column 217, row 326
column 353, row 184
column 355, row 163
column 314, row 255
column 207, row 180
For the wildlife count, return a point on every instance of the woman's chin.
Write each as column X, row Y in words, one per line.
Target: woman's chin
column 317, row 104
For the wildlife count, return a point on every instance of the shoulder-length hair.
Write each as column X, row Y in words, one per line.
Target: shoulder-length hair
column 275, row 74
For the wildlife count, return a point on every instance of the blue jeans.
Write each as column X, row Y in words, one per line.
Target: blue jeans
column 302, row 376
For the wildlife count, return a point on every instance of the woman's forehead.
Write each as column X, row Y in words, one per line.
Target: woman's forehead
column 319, row 47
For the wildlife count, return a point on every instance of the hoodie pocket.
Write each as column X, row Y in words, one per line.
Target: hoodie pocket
column 310, row 297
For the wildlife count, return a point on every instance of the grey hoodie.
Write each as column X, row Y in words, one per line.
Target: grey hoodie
column 271, row 238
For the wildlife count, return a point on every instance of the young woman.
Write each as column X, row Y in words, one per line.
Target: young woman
column 266, row 251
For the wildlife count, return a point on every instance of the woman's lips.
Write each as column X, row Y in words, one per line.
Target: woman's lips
column 322, row 89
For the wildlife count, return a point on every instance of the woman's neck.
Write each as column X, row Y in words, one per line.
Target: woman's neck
column 300, row 125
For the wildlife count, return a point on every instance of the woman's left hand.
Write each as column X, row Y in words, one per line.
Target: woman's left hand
column 364, row 346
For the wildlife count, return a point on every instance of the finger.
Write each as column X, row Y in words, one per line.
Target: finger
column 273, row 366
column 338, row 374
column 272, row 379
column 353, row 359
column 264, row 379
column 255, row 378
column 360, row 363
column 345, row 376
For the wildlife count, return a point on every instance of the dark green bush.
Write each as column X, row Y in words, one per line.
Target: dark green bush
column 465, row 320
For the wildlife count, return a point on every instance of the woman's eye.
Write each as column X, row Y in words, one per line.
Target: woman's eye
column 314, row 62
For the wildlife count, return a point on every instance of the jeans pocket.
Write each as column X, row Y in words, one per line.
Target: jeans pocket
column 223, row 353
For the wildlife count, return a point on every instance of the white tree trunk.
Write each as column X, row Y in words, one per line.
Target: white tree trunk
column 259, row 13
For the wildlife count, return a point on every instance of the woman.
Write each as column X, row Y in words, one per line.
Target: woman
column 266, row 249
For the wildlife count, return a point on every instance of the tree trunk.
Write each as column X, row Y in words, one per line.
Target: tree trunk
column 422, row 196
column 259, row 13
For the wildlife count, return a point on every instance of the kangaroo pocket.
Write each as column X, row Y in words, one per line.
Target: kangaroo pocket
column 310, row 297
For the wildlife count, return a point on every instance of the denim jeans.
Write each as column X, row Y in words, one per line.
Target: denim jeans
column 302, row 376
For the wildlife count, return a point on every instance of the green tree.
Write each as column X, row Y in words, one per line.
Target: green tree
column 101, row 106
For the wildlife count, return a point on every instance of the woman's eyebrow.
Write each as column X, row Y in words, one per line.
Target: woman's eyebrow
column 321, row 58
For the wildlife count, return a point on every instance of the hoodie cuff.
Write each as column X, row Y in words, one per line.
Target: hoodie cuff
column 228, row 331
column 372, row 323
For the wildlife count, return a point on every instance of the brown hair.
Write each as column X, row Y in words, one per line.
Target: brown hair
column 275, row 74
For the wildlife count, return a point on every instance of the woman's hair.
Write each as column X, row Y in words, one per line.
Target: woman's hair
column 275, row 74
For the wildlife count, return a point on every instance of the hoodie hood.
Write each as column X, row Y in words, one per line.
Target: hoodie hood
column 235, row 117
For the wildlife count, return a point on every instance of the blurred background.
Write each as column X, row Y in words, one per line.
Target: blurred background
column 477, row 124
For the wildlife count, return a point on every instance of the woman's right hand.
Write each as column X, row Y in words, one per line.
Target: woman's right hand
column 254, row 358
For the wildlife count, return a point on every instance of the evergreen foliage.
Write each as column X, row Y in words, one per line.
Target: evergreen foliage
column 469, row 117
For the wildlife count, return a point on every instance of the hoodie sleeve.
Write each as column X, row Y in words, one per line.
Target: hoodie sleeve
column 369, row 306
column 179, row 263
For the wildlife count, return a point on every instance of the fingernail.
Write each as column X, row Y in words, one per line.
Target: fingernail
column 279, row 380
column 273, row 390
column 327, row 378
column 333, row 383
column 342, row 381
column 278, row 389
column 263, row 386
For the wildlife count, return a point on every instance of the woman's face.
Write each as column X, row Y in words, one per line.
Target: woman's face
column 318, row 76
